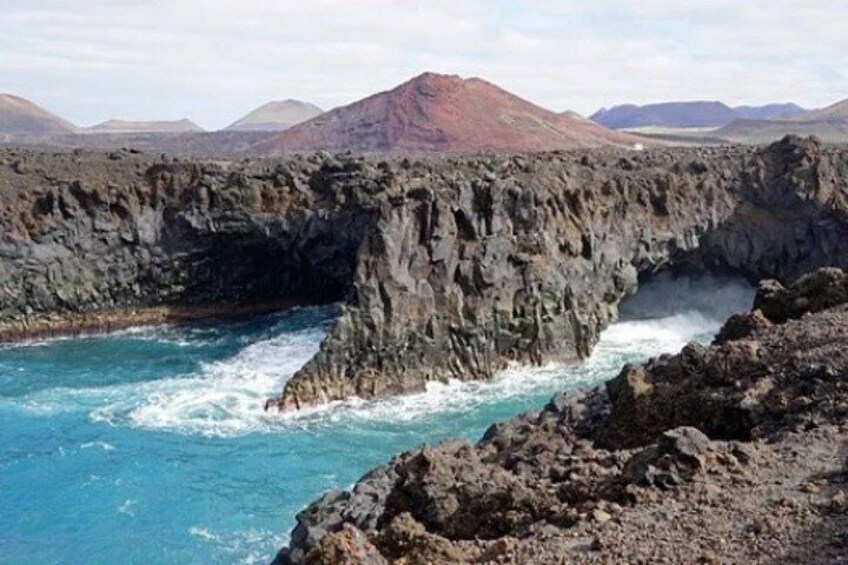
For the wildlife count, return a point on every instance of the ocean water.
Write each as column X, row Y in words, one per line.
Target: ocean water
column 151, row 446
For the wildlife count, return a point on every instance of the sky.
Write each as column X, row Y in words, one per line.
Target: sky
column 215, row 60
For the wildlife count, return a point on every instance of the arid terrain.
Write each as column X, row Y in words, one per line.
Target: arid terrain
column 723, row 454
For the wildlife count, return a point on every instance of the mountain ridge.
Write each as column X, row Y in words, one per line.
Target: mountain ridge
column 687, row 114
column 184, row 125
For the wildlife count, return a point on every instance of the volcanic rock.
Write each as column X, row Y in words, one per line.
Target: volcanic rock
column 727, row 469
column 446, row 268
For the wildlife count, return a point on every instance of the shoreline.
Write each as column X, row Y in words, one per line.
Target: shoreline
column 103, row 322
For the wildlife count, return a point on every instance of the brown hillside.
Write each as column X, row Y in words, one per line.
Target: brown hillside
column 444, row 114
column 19, row 116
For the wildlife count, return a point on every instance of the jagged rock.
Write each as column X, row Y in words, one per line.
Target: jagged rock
column 811, row 293
column 447, row 268
column 406, row 539
column 743, row 325
column 324, row 516
column 630, row 385
column 348, row 546
column 726, row 433
column 685, row 444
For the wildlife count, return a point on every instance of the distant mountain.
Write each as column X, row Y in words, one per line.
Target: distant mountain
column 126, row 126
column 572, row 114
column 767, row 131
column 688, row 114
column 769, row 111
column 276, row 116
column 669, row 115
column 19, row 116
column 830, row 124
column 444, row 114
column 838, row 111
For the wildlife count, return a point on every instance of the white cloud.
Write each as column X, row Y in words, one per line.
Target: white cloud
column 213, row 60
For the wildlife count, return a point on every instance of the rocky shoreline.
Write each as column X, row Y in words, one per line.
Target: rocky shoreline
column 457, row 267
column 445, row 267
column 489, row 262
column 47, row 326
column 727, row 453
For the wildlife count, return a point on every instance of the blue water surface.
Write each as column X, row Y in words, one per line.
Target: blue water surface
column 151, row 445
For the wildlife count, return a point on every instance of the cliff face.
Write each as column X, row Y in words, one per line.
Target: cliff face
column 732, row 452
column 94, row 241
column 448, row 268
column 525, row 260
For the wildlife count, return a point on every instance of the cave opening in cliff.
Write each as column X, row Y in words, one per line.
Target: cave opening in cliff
column 267, row 270
column 687, row 286
column 668, row 293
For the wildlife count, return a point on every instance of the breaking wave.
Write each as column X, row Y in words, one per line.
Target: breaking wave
column 225, row 398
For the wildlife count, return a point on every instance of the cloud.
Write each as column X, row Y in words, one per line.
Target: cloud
column 214, row 60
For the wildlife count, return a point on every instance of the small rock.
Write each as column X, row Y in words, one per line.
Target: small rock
column 600, row 516
column 687, row 443
column 811, row 488
column 839, row 503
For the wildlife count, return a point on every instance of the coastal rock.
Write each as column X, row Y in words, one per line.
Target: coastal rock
column 348, row 546
column 445, row 268
column 621, row 471
column 811, row 293
column 511, row 267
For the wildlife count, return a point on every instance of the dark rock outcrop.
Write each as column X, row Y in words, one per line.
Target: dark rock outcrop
column 525, row 260
column 734, row 433
column 447, row 268
column 92, row 241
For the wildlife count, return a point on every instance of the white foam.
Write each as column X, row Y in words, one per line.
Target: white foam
column 105, row 446
column 128, row 507
column 620, row 343
column 244, row 547
column 202, row 533
column 661, row 335
column 227, row 397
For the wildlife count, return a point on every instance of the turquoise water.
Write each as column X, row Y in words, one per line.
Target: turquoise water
column 150, row 445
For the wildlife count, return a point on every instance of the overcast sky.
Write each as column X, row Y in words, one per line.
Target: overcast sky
column 214, row 60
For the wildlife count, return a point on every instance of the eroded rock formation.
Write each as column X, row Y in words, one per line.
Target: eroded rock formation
column 447, row 268
column 732, row 452
column 525, row 260
column 91, row 241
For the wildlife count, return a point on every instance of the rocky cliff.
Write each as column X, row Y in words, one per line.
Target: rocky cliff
column 729, row 453
column 492, row 261
column 93, row 241
column 447, row 268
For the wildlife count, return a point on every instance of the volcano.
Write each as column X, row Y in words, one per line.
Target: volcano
column 435, row 113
